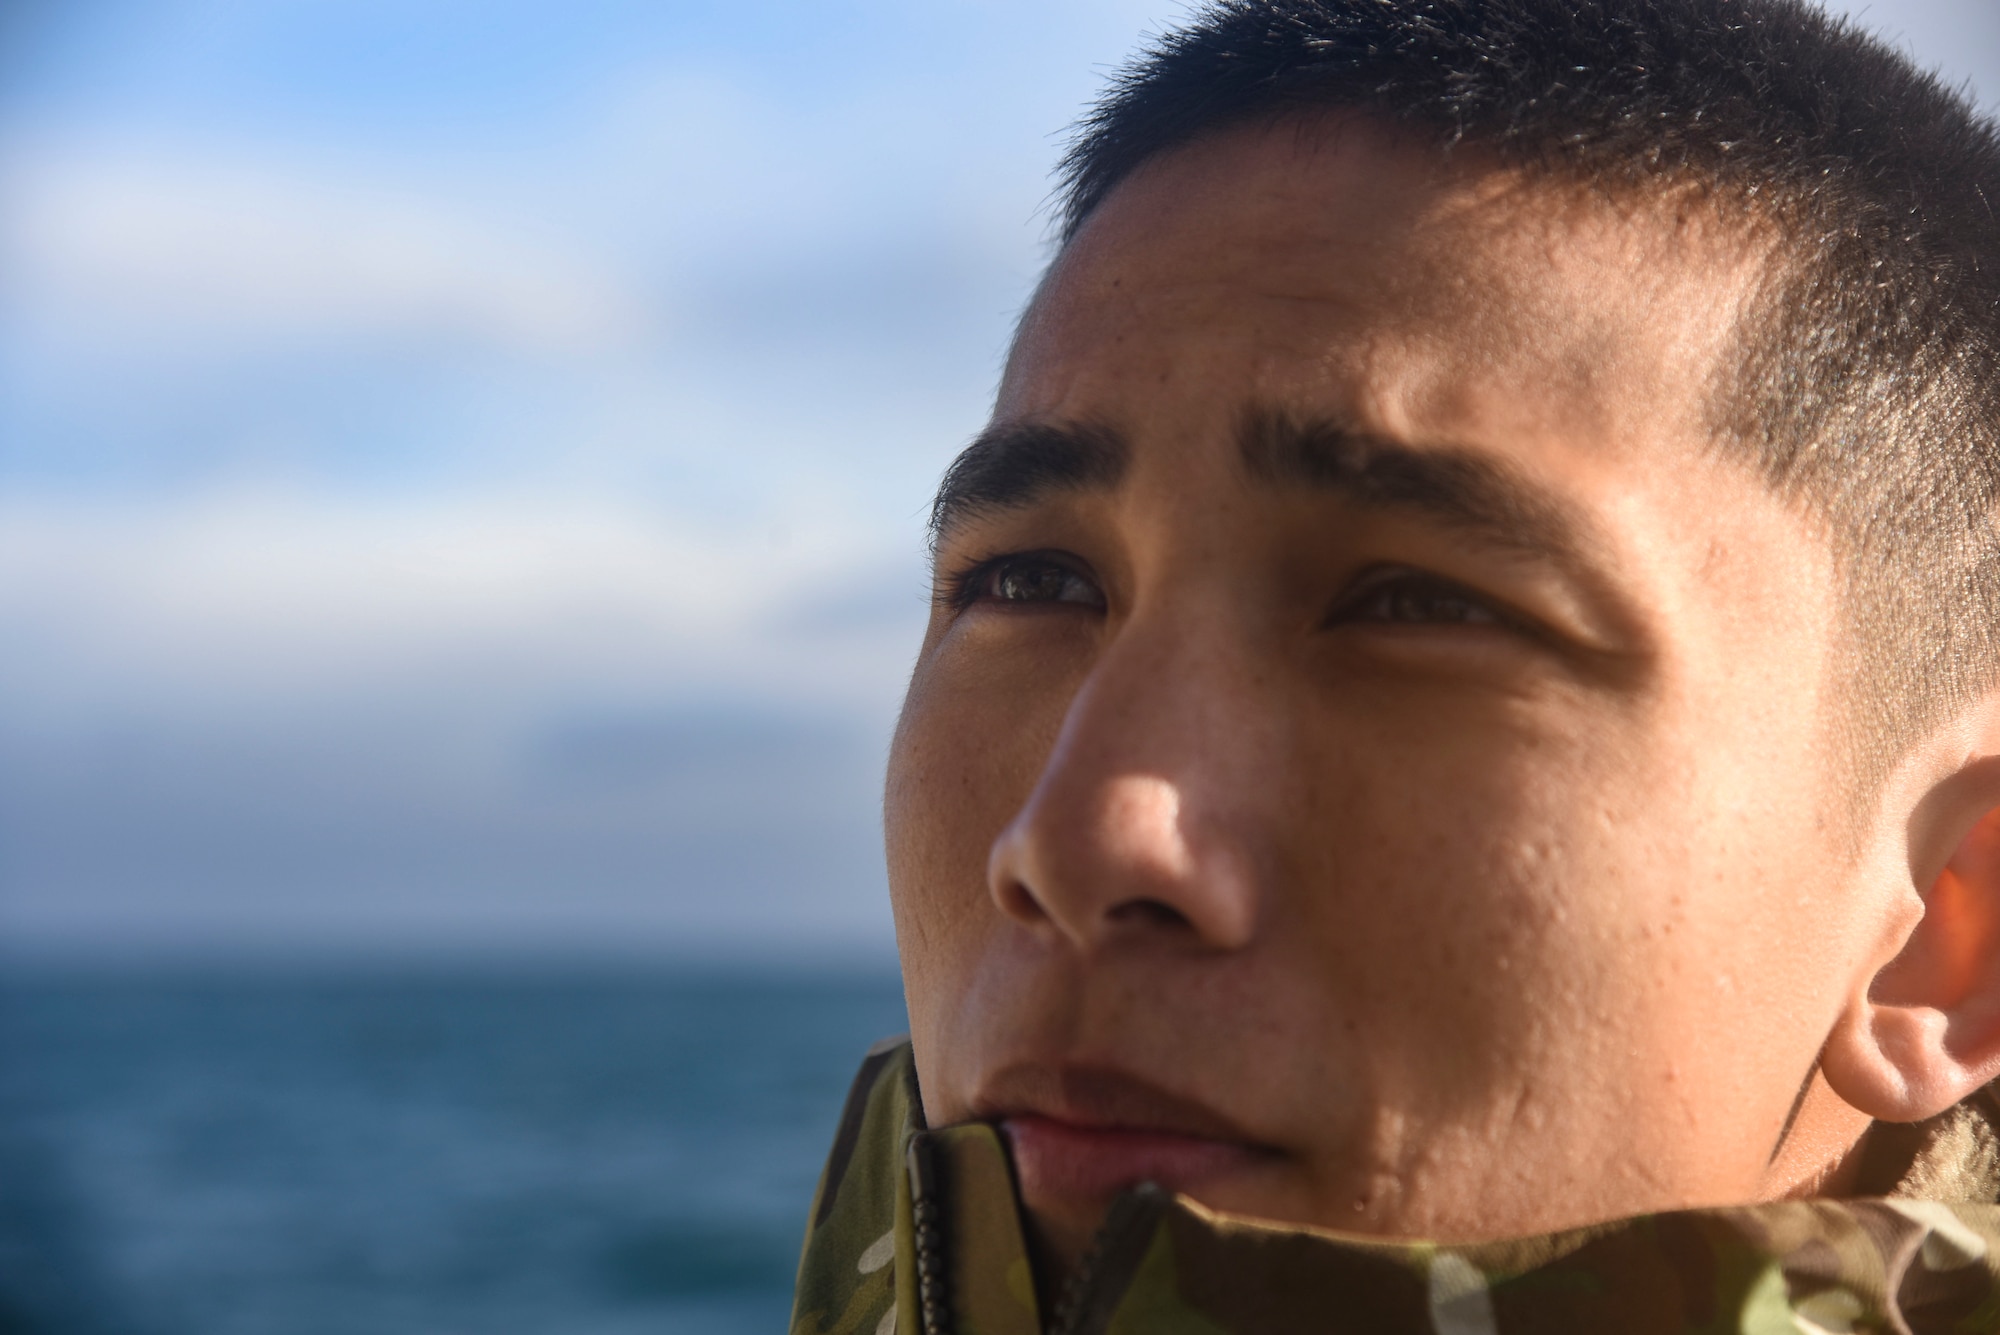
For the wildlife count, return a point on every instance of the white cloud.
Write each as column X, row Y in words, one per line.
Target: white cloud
column 264, row 717
column 284, row 596
column 171, row 242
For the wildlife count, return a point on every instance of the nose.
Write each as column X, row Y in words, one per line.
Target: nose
column 1141, row 822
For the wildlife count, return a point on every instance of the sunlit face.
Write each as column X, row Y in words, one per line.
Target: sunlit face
column 1368, row 763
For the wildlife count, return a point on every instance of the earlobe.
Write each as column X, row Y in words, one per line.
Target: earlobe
column 1925, row 1031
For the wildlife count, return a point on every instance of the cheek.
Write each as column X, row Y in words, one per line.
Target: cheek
column 1575, row 920
column 967, row 751
column 1446, row 905
column 1500, row 902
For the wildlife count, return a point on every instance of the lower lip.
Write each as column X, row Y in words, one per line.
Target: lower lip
column 1063, row 1161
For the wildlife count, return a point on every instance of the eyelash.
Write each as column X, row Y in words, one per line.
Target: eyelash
column 968, row 585
column 1392, row 590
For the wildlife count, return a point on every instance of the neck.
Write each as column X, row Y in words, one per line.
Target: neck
column 1820, row 1152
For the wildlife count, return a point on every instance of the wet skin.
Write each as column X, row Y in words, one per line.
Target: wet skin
column 1372, row 758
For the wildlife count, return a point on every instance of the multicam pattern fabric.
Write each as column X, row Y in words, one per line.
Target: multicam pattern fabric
column 917, row 1232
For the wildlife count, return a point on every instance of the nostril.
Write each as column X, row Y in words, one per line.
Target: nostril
column 1151, row 912
column 1019, row 902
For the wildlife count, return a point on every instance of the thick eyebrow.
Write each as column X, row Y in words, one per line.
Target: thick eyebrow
column 1462, row 490
column 1013, row 464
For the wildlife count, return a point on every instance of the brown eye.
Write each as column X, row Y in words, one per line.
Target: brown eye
column 1418, row 600
column 1031, row 579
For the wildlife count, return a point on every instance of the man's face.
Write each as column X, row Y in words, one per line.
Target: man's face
column 1369, row 761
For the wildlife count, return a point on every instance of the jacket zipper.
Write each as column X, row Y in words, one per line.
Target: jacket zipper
column 933, row 1298
column 1131, row 1212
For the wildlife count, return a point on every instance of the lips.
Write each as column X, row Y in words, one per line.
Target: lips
column 1085, row 1133
column 1059, row 1160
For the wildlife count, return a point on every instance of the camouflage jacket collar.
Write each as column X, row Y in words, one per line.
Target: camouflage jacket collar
column 918, row 1232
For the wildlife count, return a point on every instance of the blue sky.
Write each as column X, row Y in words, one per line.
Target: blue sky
column 462, row 465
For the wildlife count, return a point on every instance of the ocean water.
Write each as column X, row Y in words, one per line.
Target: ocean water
column 417, row 1153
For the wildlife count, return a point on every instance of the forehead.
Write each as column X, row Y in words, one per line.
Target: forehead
column 1332, row 268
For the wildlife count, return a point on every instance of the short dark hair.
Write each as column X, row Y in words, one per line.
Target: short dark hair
column 1867, row 384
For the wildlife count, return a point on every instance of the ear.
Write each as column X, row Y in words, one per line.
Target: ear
column 1924, row 1032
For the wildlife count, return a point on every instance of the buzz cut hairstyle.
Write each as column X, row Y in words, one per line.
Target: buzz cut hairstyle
column 1865, row 381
